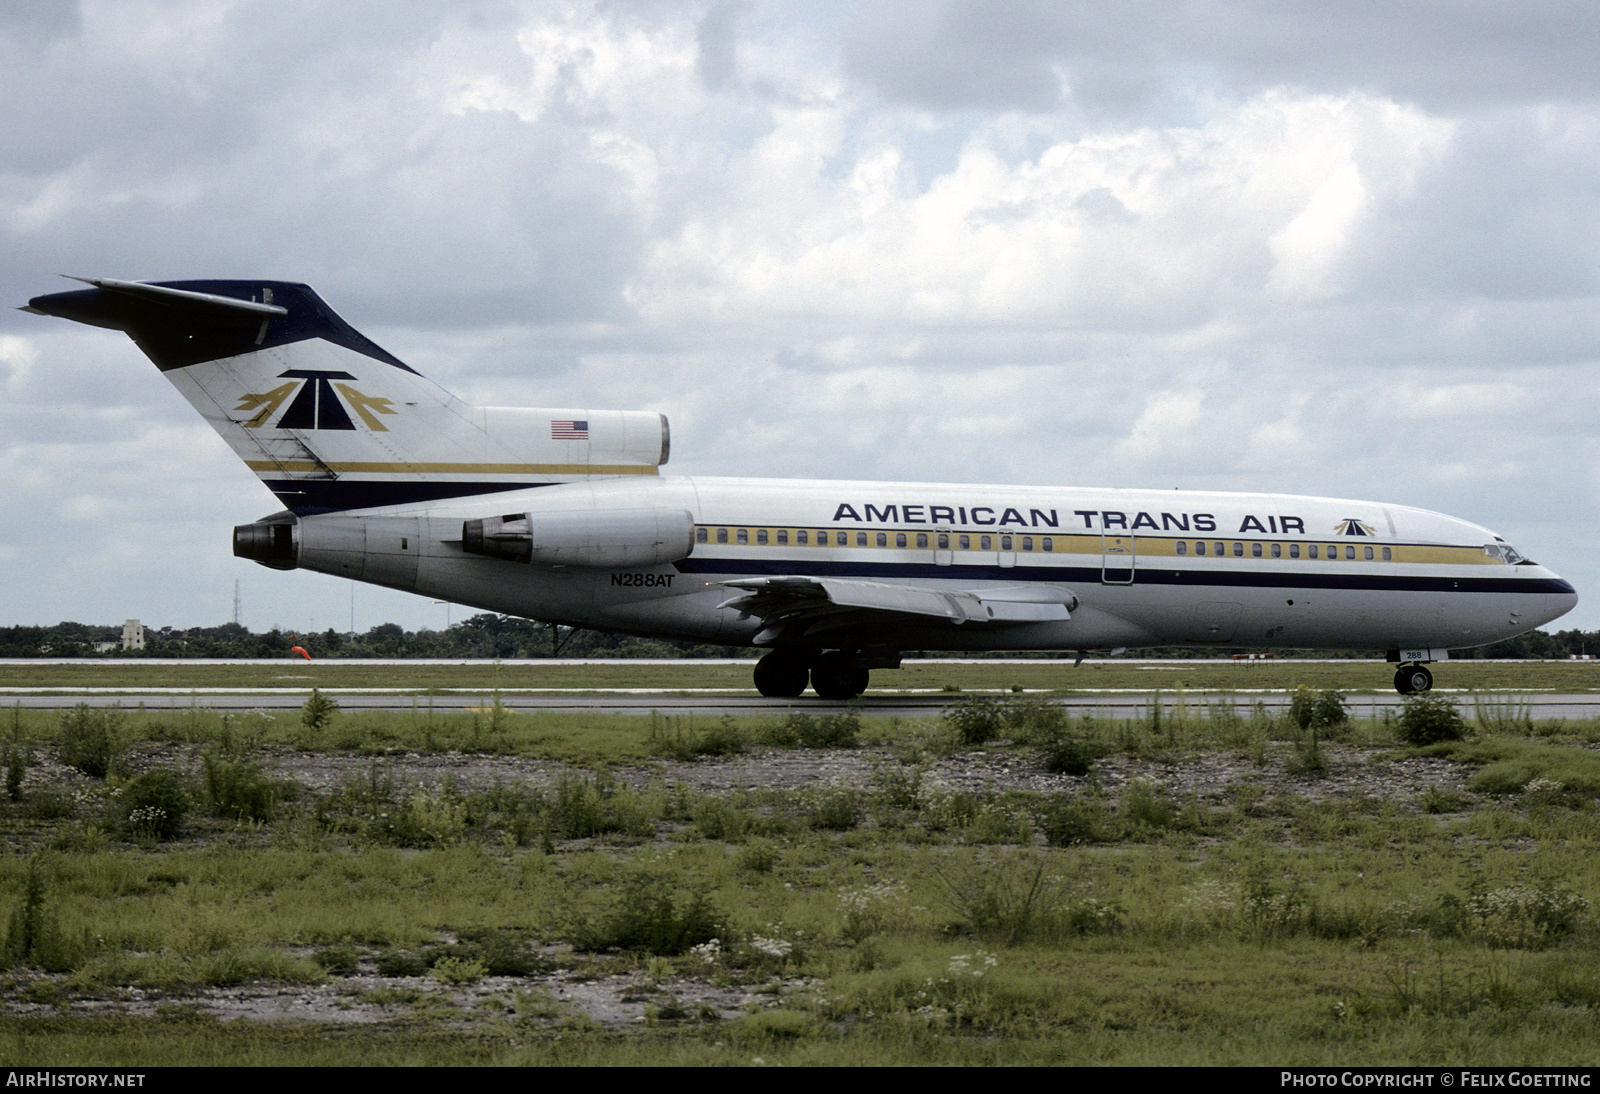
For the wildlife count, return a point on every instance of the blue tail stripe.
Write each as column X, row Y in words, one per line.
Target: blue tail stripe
column 304, row 497
column 175, row 336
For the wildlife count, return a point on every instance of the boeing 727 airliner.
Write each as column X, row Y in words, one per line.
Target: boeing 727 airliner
column 562, row 515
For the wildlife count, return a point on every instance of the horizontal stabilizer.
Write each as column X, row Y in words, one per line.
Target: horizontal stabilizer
column 183, row 298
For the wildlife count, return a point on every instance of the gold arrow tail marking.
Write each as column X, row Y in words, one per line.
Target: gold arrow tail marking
column 364, row 405
column 268, row 401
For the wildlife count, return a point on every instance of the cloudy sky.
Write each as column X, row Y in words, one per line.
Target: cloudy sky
column 1343, row 249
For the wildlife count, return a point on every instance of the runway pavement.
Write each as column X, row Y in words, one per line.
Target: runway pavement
column 716, row 702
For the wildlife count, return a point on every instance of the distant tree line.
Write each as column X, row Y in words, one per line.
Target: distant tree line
column 482, row 636
column 506, row 636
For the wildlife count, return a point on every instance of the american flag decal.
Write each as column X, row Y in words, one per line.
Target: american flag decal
column 569, row 431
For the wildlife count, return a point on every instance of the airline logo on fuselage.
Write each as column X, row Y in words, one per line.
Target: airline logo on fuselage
column 319, row 402
column 1095, row 520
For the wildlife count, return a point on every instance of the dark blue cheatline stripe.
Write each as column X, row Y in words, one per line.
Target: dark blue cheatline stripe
column 307, row 497
column 1081, row 575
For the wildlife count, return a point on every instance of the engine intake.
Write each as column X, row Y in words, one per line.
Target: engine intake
column 587, row 537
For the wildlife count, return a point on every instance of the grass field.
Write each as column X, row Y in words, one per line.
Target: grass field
column 1323, row 895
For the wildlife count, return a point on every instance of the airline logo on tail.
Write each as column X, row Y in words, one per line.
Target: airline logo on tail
column 318, row 404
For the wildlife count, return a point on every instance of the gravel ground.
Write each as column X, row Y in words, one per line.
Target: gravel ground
column 619, row 1000
column 1209, row 776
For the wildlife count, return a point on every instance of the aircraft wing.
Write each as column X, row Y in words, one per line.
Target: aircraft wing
column 800, row 607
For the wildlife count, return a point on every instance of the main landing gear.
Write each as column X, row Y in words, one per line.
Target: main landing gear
column 782, row 674
column 837, row 674
column 1411, row 679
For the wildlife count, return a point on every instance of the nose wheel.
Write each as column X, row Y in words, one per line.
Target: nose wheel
column 1412, row 679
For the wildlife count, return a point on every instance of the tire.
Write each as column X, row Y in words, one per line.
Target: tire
column 781, row 674
column 1413, row 679
column 835, row 677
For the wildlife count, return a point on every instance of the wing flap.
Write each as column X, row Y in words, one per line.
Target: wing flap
column 807, row 606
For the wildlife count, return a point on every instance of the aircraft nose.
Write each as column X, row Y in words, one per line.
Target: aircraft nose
column 1559, row 600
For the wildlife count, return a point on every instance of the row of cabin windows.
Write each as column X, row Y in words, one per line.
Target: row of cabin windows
column 761, row 537
column 1313, row 550
column 803, row 538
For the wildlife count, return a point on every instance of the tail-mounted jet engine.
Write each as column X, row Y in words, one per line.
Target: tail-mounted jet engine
column 604, row 537
column 270, row 541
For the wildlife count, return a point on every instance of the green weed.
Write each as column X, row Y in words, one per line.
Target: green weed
column 154, row 804
column 237, row 789
column 1430, row 719
column 317, row 713
column 89, row 739
column 649, row 918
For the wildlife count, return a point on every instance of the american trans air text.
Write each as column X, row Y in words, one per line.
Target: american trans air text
column 990, row 516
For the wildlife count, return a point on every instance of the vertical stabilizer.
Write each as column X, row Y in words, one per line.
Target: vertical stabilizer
column 331, row 421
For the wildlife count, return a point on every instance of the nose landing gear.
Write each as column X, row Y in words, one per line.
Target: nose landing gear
column 1412, row 679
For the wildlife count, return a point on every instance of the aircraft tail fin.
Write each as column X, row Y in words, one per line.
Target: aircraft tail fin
column 331, row 421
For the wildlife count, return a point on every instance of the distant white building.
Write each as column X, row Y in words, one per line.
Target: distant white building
column 133, row 635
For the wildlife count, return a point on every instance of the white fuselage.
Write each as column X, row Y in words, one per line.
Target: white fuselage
column 1138, row 567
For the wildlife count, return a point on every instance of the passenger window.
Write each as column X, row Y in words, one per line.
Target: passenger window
column 1238, row 550
column 1311, row 551
column 1277, row 550
column 1182, row 547
column 986, row 543
column 883, row 539
column 1005, row 543
column 822, row 539
column 861, row 539
column 744, row 535
column 700, row 535
column 899, row 539
column 1294, row 550
column 1255, row 550
column 1387, row 555
column 963, row 542
column 1218, row 549
column 1333, row 552
column 922, row 539
column 1048, row 544
column 944, row 540
column 761, row 536
column 1027, row 543
column 783, row 537
column 1350, row 553
column 1366, row 553
column 1199, row 546
column 801, row 537
column 722, row 535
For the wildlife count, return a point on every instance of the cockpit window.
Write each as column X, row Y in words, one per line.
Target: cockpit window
column 1505, row 553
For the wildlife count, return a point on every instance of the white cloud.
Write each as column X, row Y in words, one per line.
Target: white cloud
column 946, row 241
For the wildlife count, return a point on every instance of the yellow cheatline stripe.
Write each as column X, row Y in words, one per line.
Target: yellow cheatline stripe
column 389, row 467
column 1146, row 547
